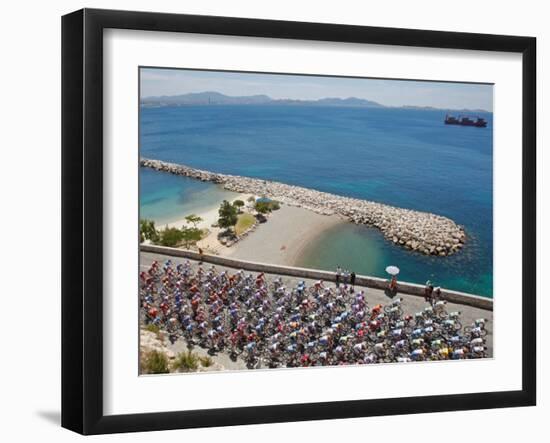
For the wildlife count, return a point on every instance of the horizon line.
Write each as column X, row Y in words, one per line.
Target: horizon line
column 304, row 100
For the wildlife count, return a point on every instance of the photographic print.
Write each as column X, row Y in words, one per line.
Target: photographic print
column 291, row 221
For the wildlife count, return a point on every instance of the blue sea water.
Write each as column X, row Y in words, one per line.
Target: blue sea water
column 166, row 198
column 402, row 157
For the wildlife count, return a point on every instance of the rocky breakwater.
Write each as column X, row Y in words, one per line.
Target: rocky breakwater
column 422, row 232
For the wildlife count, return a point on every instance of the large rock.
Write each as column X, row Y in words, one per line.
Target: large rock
column 415, row 230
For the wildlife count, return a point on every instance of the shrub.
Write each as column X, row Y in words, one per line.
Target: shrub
column 186, row 361
column 190, row 235
column 263, row 207
column 206, row 361
column 151, row 327
column 154, row 362
column 170, row 237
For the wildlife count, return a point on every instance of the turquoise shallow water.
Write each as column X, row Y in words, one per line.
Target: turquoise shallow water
column 367, row 252
column 402, row 157
column 166, row 198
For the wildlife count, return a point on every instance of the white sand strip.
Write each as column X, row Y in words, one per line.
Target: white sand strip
column 283, row 237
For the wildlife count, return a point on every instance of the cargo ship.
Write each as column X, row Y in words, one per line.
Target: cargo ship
column 465, row 121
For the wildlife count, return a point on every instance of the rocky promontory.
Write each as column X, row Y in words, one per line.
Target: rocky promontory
column 423, row 232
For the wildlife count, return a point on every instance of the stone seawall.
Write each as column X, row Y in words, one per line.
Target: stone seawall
column 315, row 274
column 422, row 232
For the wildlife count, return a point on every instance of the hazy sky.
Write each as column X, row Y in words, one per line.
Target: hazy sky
column 156, row 82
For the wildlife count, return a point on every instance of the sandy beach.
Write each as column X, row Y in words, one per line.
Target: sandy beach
column 209, row 217
column 283, row 237
column 280, row 240
column 423, row 232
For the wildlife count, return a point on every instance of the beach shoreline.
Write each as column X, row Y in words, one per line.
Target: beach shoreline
column 283, row 238
column 423, row 232
column 280, row 240
column 209, row 215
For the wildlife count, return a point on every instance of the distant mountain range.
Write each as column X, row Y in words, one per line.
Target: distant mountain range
column 205, row 98
column 217, row 98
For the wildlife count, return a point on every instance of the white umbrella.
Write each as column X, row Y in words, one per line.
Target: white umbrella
column 392, row 270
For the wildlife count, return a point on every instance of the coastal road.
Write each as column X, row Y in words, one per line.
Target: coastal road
column 411, row 304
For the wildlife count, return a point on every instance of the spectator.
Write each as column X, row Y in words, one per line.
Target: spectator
column 391, row 291
column 200, row 256
column 428, row 291
column 436, row 296
column 346, row 276
column 352, row 281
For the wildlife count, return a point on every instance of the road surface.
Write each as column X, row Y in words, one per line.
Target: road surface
column 411, row 303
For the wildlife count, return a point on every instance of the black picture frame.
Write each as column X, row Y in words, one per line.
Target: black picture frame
column 82, row 218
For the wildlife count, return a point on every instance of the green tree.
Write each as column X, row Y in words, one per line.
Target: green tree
column 170, row 237
column 262, row 207
column 193, row 219
column 147, row 231
column 190, row 236
column 238, row 204
column 228, row 215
